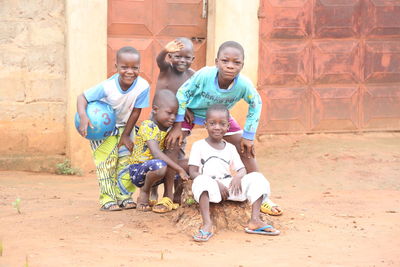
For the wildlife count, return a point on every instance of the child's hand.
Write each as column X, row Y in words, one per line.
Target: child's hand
column 236, row 186
column 126, row 141
column 174, row 46
column 247, row 148
column 189, row 117
column 85, row 122
column 174, row 137
column 223, row 190
column 184, row 176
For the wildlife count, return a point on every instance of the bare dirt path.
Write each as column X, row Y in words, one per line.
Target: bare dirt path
column 340, row 194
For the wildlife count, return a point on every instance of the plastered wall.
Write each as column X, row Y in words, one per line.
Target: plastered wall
column 33, row 88
column 52, row 50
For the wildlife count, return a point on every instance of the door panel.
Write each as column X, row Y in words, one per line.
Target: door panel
column 148, row 25
column 342, row 55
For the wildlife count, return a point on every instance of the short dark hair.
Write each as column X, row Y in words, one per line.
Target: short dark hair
column 232, row 44
column 218, row 107
column 164, row 97
column 126, row 49
column 186, row 41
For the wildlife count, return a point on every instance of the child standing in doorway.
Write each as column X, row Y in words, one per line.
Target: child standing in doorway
column 174, row 62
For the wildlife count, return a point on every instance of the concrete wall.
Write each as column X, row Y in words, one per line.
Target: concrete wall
column 32, row 91
column 52, row 50
column 87, row 66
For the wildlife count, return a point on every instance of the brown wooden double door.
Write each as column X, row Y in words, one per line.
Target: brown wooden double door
column 329, row 65
column 148, row 25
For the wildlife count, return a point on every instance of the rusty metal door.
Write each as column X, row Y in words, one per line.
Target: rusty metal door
column 329, row 65
column 148, row 25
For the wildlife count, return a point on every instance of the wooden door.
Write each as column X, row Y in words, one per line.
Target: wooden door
column 148, row 25
column 329, row 65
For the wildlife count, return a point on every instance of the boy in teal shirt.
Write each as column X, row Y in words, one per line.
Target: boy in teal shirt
column 222, row 84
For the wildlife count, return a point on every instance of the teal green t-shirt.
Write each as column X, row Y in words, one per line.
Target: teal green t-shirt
column 202, row 90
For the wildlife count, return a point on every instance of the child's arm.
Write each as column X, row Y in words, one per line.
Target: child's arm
column 184, row 95
column 142, row 101
column 157, row 153
column 171, row 47
column 193, row 171
column 125, row 136
column 85, row 122
column 236, row 184
column 252, row 119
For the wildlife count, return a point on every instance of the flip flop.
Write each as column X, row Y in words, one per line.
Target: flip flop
column 267, row 207
column 127, row 204
column 202, row 236
column 165, row 205
column 261, row 231
column 108, row 206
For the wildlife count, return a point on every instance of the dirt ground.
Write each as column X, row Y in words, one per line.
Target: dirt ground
column 340, row 194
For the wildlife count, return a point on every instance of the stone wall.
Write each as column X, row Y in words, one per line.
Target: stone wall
column 33, row 84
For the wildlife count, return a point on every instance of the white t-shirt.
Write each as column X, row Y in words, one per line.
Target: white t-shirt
column 123, row 102
column 215, row 163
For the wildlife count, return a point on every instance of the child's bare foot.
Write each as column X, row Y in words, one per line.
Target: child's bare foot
column 143, row 201
column 153, row 196
column 260, row 227
column 177, row 199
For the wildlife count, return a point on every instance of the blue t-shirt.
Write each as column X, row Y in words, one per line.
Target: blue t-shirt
column 202, row 90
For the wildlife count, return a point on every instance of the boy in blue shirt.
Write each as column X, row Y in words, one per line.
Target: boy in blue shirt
column 222, row 84
column 127, row 93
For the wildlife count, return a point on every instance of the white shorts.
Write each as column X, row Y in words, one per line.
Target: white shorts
column 254, row 185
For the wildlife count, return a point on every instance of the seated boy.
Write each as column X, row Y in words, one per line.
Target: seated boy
column 149, row 163
column 211, row 163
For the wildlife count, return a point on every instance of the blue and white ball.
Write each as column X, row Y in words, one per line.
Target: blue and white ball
column 103, row 118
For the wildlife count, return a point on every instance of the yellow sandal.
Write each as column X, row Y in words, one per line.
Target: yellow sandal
column 165, row 205
column 267, row 207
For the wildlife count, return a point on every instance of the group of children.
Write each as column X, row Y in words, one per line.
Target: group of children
column 222, row 165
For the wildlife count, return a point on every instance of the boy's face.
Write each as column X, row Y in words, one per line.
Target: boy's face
column 217, row 124
column 182, row 60
column 127, row 65
column 229, row 63
column 165, row 114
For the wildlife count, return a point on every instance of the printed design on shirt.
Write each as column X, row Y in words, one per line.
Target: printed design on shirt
column 212, row 163
column 147, row 131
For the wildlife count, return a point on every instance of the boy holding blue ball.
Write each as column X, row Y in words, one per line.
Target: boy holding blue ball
column 127, row 93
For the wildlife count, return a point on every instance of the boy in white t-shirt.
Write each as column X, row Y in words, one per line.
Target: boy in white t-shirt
column 219, row 174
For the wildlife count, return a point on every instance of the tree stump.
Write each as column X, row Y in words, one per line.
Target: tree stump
column 227, row 215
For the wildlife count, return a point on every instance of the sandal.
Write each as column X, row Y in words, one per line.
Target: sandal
column 165, row 205
column 262, row 230
column 110, row 206
column 267, row 207
column 202, row 236
column 127, row 204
